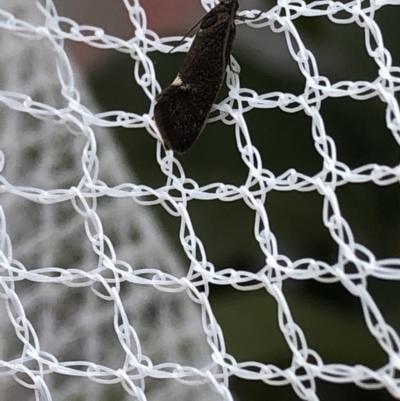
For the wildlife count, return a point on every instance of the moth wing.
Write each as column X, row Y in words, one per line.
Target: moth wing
column 180, row 116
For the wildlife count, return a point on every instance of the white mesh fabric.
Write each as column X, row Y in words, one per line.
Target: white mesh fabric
column 54, row 250
column 93, row 301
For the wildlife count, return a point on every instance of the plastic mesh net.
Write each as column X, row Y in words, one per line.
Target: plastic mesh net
column 94, row 303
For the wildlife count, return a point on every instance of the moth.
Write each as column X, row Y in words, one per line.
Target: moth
column 182, row 108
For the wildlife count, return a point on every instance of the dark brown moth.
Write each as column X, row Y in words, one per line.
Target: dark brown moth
column 182, row 108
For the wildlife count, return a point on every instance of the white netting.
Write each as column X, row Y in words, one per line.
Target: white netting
column 73, row 220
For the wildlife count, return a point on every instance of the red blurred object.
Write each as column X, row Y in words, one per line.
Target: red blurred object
column 165, row 17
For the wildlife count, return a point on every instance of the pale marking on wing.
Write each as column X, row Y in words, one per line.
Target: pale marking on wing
column 177, row 81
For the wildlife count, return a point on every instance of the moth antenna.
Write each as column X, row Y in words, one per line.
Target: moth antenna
column 181, row 41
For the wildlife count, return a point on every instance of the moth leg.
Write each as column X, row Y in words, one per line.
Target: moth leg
column 244, row 18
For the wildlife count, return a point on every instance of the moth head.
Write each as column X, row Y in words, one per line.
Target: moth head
column 222, row 12
column 229, row 3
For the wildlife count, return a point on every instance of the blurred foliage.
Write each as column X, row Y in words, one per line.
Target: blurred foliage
column 331, row 319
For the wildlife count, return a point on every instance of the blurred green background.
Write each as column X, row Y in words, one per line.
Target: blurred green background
column 331, row 318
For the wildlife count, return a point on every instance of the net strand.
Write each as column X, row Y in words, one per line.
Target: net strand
column 109, row 270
